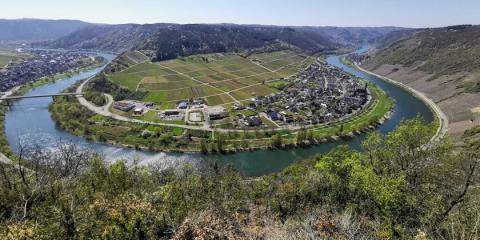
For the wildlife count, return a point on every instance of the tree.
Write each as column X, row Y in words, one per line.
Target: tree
column 408, row 150
column 277, row 141
column 310, row 136
column 301, row 137
column 203, row 146
column 220, row 142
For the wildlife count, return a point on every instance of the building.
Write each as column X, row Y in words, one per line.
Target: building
column 138, row 111
column 253, row 121
column 149, row 104
column 238, row 106
column 216, row 113
column 275, row 116
column 123, row 106
column 198, row 101
column 182, row 105
column 171, row 112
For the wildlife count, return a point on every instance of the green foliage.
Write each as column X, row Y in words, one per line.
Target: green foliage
column 277, row 140
column 101, row 84
column 203, row 146
column 220, row 142
column 95, row 97
column 301, row 137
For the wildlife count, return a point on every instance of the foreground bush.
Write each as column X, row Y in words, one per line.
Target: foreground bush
column 394, row 187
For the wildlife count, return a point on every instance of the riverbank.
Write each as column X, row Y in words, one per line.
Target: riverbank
column 6, row 153
column 442, row 119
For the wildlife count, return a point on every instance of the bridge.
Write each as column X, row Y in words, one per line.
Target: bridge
column 42, row 96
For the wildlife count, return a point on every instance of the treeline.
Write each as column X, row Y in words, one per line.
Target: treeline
column 394, row 188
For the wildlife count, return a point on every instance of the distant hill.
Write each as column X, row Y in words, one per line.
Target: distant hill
column 355, row 36
column 28, row 30
column 444, row 63
column 171, row 40
column 441, row 50
column 393, row 36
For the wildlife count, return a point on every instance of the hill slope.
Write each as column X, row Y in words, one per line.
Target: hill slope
column 171, row 40
column 176, row 39
column 36, row 29
column 444, row 63
column 354, row 36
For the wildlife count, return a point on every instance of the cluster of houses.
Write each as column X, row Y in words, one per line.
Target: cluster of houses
column 42, row 63
column 321, row 93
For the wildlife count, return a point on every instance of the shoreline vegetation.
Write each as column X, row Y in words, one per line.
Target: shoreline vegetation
column 78, row 120
column 23, row 89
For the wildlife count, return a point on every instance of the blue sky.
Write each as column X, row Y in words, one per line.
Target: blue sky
column 408, row 13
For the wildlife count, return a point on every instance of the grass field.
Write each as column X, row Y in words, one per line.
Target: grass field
column 7, row 55
column 215, row 77
column 4, row 60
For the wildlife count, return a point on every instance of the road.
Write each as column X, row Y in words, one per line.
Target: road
column 40, row 96
column 105, row 111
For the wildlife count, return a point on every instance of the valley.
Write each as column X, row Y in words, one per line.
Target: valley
column 242, row 106
column 238, row 131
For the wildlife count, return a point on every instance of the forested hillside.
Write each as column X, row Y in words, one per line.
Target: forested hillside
column 172, row 40
column 166, row 41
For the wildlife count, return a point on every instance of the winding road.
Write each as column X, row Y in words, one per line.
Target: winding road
column 105, row 111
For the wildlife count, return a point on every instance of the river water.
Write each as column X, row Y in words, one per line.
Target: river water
column 29, row 123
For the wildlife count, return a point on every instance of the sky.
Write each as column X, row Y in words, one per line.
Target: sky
column 403, row 13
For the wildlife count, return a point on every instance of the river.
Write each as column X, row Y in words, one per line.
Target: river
column 29, row 122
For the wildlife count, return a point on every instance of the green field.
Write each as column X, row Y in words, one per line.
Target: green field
column 215, row 77
column 7, row 55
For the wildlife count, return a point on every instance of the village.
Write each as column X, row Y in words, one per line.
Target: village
column 319, row 94
column 41, row 63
